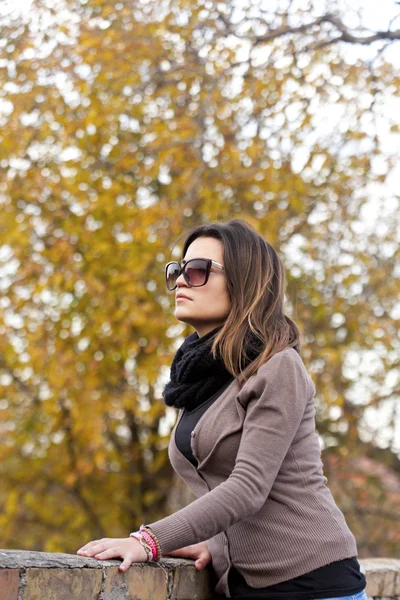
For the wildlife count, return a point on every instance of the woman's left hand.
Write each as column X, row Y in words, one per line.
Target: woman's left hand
column 129, row 549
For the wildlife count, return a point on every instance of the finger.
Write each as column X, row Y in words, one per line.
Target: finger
column 202, row 561
column 89, row 545
column 85, row 547
column 109, row 553
column 126, row 564
column 96, row 549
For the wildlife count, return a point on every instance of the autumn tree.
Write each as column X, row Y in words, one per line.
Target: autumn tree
column 124, row 124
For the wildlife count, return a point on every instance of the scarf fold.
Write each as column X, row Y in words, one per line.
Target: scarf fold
column 195, row 375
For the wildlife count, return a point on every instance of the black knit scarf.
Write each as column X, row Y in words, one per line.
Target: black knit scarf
column 195, row 375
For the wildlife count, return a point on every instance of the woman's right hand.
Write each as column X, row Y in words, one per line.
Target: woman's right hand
column 199, row 552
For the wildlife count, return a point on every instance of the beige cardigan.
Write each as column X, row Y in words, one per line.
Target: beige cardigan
column 262, row 500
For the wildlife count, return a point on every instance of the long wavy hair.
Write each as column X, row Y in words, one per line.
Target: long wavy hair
column 256, row 283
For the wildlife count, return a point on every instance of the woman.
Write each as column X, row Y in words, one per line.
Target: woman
column 245, row 439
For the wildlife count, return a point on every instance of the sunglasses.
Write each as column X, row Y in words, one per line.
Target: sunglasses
column 196, row 272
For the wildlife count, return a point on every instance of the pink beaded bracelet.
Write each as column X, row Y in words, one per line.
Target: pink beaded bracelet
column 146, row 540
column 143, row 543
column 151, row 543
column 150, row 532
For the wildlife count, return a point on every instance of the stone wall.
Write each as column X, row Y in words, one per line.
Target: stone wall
column 44, row 576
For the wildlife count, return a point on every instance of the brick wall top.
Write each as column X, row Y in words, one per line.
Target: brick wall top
column 26, row 575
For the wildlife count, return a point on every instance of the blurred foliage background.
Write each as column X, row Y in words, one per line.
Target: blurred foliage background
column 123, row 124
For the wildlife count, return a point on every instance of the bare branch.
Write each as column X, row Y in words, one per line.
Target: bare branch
column 354, row 39
column 343, row 35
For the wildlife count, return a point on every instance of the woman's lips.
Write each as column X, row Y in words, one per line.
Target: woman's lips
column 182, row 298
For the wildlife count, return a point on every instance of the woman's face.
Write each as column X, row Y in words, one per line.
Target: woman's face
column 209, row 305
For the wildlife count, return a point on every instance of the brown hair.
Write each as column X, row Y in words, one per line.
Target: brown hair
column 256, row 283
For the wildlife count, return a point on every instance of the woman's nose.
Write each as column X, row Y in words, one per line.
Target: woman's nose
column 181, row 280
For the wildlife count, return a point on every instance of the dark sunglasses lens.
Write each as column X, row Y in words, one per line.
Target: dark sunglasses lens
column 172, row 275
column 196, row 271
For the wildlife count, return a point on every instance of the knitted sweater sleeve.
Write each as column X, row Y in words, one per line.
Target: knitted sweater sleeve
column 276, row 397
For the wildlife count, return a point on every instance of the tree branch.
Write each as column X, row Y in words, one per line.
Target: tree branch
column 344, row 34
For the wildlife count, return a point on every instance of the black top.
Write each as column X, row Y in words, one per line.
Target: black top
column 340, row 578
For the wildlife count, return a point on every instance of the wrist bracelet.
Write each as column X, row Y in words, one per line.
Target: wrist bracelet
column 148, row 530
column 151, row 543
column 143, row 543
